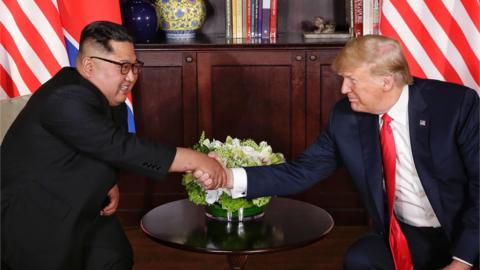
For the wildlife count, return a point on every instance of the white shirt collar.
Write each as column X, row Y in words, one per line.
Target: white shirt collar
column 399, row 111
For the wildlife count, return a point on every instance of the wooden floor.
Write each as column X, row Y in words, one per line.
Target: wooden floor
column 326, row 254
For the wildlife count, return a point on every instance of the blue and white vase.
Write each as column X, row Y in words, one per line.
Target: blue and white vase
column 181, row 19
column 140, row 18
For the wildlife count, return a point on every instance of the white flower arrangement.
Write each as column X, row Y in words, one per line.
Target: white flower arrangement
column 234, row 153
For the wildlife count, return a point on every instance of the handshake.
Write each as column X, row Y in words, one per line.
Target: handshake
column 208, row 169
column 211, row 173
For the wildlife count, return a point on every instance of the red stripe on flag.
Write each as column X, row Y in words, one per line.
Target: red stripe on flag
column 90, row 10
column 423, row 36
column 452, row 29
column 8, row 84
column 473, row 9
column 33, row 37
column 387, row 30
column 51, row 13
column 25, row 72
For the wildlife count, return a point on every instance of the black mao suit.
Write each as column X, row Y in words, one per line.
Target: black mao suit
column 58, row 161
column 443, row 126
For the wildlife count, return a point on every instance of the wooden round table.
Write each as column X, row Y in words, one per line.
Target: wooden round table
column 287, row 224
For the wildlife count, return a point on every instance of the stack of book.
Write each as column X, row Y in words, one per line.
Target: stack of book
column 251, row 19
column 366, row 17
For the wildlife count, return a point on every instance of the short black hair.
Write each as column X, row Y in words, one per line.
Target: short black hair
column 102, row 32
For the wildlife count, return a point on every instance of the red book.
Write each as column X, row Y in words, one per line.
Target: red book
column 273, row 17
column 358, row 18
column 249, row 18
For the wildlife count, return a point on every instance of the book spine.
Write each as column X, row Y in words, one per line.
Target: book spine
column 228, row 19
column 358, row 17
column 234, row 18
column 266, row 19
column 255, row 11
column 244, row 19
column 252, row 14
column 273, row 18
column 260, row 18
column 249, row 18
column 367, row 17
column 376, row 17
column 239, row 19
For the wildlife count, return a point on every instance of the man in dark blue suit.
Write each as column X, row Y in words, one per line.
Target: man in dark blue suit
column 435, row 130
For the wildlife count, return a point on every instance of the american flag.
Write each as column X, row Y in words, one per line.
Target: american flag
column 39, row 37
column 441, row 38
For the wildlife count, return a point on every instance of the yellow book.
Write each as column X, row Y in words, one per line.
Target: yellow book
column 234, row 18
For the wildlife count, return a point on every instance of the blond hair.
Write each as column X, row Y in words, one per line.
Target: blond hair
column 382, row 54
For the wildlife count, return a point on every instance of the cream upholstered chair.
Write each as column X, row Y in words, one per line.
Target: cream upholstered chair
column 9, row 109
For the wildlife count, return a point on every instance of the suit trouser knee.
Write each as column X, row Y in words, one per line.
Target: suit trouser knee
column 369, row 252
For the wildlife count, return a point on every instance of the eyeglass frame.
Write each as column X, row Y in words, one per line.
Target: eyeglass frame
column 131, row 66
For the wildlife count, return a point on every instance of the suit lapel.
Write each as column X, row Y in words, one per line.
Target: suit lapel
column 419, row 128
column 371, row 156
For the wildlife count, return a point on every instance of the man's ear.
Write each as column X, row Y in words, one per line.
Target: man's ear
column 388, row 83
column 86, row 66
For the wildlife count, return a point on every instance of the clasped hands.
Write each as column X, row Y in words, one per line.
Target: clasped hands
column 209, row 181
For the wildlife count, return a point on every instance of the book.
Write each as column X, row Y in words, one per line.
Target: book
column 273, row 18
column 367, row 17
column 239, row 18
column 244, row 19
column 252, row 15
column 358, row 17
column 249, row 19
column 266, row 19
column 260, row 18
column 228, row 19
column 234, row 18
column 376, row 17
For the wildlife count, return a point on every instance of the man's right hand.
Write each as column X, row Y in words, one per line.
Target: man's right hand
column 211, row 169
column 208, row 182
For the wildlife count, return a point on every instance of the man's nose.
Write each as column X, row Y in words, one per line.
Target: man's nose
column 345, row 88
column 130, row 76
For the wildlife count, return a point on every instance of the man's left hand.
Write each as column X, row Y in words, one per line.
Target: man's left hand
column 457, row 265
column 114, row 196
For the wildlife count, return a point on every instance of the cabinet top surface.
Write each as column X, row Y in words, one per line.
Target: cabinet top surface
column 219, row 41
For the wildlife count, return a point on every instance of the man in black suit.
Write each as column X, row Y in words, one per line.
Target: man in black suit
column 434, row 199
column 61, row 155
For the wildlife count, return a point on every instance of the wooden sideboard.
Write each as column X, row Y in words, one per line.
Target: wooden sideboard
column 279, row 93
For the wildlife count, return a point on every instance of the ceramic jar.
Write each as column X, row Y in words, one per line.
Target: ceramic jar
column 180, row 19
column 140, row 19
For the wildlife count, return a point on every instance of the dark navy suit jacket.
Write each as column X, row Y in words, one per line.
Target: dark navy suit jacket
column 445, row 148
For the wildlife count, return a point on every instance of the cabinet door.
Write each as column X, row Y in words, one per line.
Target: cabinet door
column 164, row 102
column 254, row 94
column 337, row 193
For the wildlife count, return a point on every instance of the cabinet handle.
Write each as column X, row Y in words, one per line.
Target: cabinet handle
column 298, row 58
column 188, row 59
column 313, row 57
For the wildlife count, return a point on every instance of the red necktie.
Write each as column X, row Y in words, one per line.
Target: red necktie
column 396, row 238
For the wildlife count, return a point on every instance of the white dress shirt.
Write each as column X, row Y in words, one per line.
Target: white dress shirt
column 411, row 203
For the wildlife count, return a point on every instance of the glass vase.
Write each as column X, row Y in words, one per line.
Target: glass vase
column 215, row 211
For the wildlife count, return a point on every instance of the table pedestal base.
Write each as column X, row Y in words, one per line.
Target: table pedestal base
column 237, row 262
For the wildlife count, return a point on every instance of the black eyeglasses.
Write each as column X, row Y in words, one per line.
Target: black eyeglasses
column 124, row 67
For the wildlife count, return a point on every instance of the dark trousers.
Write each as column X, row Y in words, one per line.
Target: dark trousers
column 106, row 248
column 429, row 248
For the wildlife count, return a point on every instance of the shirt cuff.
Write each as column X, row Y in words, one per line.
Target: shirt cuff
column 462, row 261
column 239, row 189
